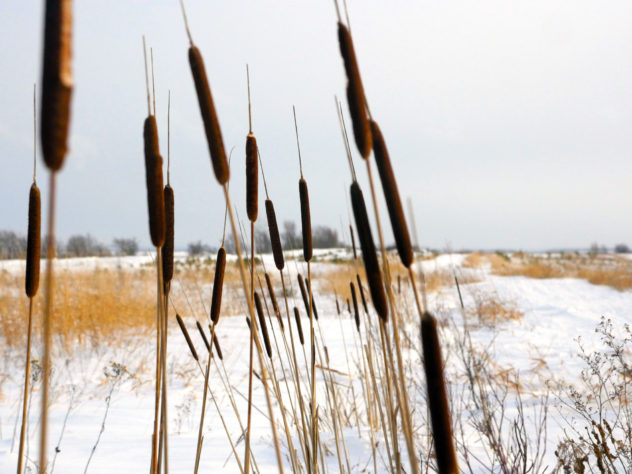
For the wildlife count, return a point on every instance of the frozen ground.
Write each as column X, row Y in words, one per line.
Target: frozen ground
column 541, row 345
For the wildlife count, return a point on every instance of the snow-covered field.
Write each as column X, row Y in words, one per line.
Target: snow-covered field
column 114, row 380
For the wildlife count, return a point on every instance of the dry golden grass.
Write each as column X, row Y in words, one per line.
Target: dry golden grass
column 606, row 270
column 94, row 306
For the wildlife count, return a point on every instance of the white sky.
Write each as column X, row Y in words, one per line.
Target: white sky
column 508, row 123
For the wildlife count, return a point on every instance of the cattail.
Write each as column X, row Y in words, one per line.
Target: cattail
column 262, row 323
column 252, row 178
column 369, row 255
column 153, row 175
column 301, row 285
column 218, row 283
column 33, row 242
column 355, row 93
column 391, row 194
column 56, row 82
column 275, row 305
column 275, row 240
column 186, row 336
column 314, row 310
column 209, row 116
column 355, row 253
column 355, row 305
column 306, row 220
column 348, row 306
column 437, row 400
column 167, row 249
column 337, row 306
column 299, row 328
column 218, row 349
column 201, row 330
column 361, row 289
column 399, row 284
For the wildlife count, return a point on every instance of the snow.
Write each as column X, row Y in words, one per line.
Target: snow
column 542, row 345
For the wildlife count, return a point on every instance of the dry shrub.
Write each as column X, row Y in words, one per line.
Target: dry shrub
column 489, row 310
column 474, row 260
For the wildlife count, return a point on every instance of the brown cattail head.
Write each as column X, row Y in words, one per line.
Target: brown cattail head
column 275, row 305
column 33, row 242
column 218, row 283
column 299, row 328
column 306, row 220
column 437, row 399
column 167, row 249
column 369, row 255
column 153, row 179
column 361, row 289
column 185, row 333
column 355, row 253
column 355, row 305
column 391, row 195
column 275, row 239
column 355, row 93
column 313, row 302
column 301, row 284
column 218, row 349
column 337, row 305
column 56, row 81
column 252, row 178
column 262, row 324
column 209, row 116
column 201, row 331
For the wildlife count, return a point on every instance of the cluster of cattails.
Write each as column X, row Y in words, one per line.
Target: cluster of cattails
column 384, row 388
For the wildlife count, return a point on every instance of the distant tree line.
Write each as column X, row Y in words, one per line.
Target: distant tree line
column 323, row 237
column 13, row 246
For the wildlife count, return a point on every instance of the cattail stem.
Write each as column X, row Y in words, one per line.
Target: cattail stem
column 159, row 306
column 242, row 273
column 201, row 428
column 48, row 311
column 27, row 376
column 401, row 391
column 252, row 340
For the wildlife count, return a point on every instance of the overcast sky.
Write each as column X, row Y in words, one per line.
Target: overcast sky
column 509, row 124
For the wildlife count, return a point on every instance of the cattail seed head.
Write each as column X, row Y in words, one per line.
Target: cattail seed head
column 355, row 93
column 299, row 328
column 369, row 255
column 306, row 220
column 209, row 116
column 437, row 399
column 361, row 289
column 355, row 305
column 252, row 178
column 355, row 253
column 218, row 283
column 56, row 82
column 33, row 242
column 275, row 305
column 218, row 349
column 153, row 179
column 275, row 239
column 337, row 306
column 301, row 284
column 185, row 333
column 201, row 331
column 167, row 249
column 391, row 195
column 263, row 325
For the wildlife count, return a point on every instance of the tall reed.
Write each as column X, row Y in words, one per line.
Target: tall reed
column 57, row 83
column 31, row 285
